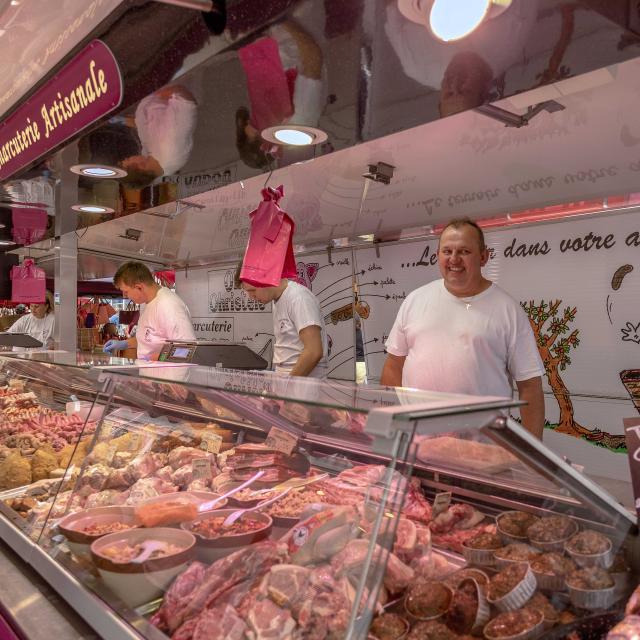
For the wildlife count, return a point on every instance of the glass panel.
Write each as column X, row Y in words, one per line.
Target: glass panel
column 47, row 413
column 362, row 490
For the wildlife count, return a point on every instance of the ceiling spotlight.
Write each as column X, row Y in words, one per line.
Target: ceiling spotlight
column 92, row 208
column 294, row 135
column 451, row 20
column 98, row 171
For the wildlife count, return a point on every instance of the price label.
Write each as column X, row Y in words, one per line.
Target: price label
column 222, row 457
column 211, row 442
column 201, row 468
column 441, row 503
column 281, row 440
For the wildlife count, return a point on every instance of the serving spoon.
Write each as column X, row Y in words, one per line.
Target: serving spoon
column 232, row 517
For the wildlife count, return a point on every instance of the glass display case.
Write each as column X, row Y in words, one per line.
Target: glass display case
column 206, row 503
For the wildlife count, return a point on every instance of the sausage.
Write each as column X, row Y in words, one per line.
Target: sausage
column 619, row 275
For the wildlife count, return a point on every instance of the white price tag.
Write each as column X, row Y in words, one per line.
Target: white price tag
column 201, row 468
column 211, row 442
column 281, row 440
column 441, row 503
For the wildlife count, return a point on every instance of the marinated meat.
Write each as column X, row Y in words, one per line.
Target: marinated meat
column 484, row 540
column 551, row 529
column 431, row 630
column 512, row 623
column 553, row 564
column 517, row 551
column 456, row 517
column 516, row 523
column 506, row 580
column 456, row 579
column 588, row 543
column 461, row 615
column 388, row 626
column 541, row 603
column 268, row 621
column 428, row 600
column 590, row 579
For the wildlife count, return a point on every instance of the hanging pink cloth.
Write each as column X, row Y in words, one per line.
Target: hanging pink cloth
column 28, row 283
column 269, row 254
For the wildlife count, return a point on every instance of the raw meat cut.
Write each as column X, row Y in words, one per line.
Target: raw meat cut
column 269, row 621
column 285, row 582
column 184, row 455
column 219, row 623
column 456, row 517
column 246, row 563
column 181, row 587
column 351, row 559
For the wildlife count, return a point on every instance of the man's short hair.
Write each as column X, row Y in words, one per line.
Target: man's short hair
column 457, row 223
column 237, row 283
column 131, row 273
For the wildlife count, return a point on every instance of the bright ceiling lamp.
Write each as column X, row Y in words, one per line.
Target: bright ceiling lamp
column 451, row 20
column 98, row 171
column 295, row 135
column 91, row 208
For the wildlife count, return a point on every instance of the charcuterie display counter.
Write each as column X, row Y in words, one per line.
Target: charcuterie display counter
column 188, row 502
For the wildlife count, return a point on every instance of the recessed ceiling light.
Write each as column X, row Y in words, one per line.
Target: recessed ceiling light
column 92, row 208
column 453, row 20
column 295, row 135
column 98, row 171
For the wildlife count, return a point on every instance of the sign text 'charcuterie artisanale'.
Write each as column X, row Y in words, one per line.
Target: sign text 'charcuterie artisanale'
column 86, row 89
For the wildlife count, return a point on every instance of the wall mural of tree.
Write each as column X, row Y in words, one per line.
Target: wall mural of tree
column 551, row 327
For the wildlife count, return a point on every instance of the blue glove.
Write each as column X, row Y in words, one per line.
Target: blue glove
column 115, row 345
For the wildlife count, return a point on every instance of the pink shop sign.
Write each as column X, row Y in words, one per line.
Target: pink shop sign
column 83, row 91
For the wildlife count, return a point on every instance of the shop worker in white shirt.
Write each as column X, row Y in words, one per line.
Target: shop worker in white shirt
column 464, row 334
column 300, row 341
column 163, row 315
column 39, row 324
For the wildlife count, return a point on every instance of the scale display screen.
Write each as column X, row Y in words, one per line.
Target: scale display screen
column 181, row 352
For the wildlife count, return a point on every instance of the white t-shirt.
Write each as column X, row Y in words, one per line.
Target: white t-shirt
column 165, row 128
column 475, row 345
column 166, row 317
column 296, row 309
column 41, row 329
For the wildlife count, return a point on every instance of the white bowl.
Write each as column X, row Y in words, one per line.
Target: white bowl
column 73, row 525
column 138, row 583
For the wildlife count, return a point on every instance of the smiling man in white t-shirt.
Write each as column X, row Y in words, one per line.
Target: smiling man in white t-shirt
column 163, row 317
column 300, row 341
column 464, row 334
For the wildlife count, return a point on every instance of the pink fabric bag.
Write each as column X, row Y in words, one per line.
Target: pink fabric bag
column 269, row 254
column 29, row 225
column 28, row 283
column 267, row 83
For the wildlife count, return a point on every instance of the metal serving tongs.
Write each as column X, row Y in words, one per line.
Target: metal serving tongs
column 291, row 483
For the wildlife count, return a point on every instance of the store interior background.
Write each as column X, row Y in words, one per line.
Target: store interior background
column 363, row 245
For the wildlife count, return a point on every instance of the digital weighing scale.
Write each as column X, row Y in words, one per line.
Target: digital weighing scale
column 212, row 354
